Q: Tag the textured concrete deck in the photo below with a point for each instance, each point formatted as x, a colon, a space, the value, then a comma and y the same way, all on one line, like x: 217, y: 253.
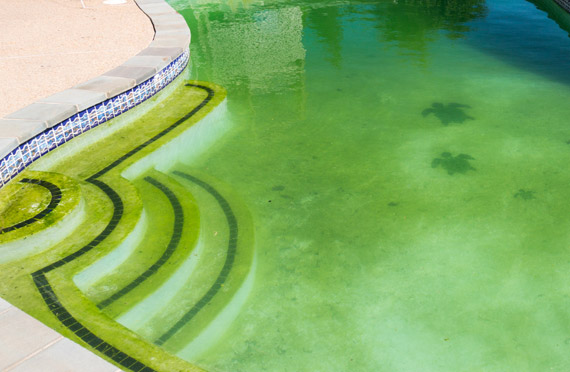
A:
x: 170, y: 41
x: 48, y: 46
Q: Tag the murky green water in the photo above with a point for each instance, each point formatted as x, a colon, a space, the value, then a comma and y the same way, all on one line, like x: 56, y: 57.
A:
x: 406, y: 166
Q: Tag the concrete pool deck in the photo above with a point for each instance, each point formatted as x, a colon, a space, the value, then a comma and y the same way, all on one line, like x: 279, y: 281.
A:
x: 30, y: 346
x: 32, y: 131
x: 46, y: 47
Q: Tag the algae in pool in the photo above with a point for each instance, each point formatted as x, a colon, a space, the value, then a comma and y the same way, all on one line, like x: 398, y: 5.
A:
x: 405, y: 164
x: 399, y: 169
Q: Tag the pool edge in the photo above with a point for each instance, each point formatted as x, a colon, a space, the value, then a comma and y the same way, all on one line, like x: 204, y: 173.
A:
x: 50, y: 122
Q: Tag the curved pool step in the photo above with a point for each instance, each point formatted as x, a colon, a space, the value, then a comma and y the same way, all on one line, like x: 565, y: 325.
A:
x: 42, y: 208
x: 188, y: 267
x: 226, y: 262
x: 189, y: 281
x: 172, y: 229
x: 43, y: 285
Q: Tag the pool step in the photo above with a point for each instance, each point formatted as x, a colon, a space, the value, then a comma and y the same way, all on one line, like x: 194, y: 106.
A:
x: 190, y: 281
x: 187, y: 268
x: 165, y: 271
x: 73, y: 231
x: 226, y: 262
x: 171, y: 220
x: 108, y: 237
x: 41, y: 208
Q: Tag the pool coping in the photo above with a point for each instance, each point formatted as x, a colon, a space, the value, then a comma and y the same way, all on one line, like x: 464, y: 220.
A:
x: 33, y: 131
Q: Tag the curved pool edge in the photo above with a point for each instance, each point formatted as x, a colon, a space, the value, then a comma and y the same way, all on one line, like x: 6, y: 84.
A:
x: 31, y: 132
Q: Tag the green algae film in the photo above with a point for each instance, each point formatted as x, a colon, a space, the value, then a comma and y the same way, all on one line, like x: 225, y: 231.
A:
x: 405, y: 164
x: 24, y: 200
x: 101, y: 232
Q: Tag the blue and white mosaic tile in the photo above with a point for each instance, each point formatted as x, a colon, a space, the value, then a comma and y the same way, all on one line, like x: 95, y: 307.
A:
x: 21, y: 157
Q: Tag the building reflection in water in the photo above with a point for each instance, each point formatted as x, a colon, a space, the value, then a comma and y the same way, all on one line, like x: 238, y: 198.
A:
x: 255, y: 48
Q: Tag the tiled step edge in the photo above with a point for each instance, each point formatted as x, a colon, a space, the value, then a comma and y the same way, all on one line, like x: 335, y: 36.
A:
x: 35, y: 130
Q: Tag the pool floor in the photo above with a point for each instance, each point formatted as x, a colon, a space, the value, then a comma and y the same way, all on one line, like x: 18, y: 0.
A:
x: 384, y: 189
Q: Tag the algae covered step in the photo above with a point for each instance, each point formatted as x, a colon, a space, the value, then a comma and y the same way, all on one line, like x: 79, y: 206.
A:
x: 172, y: 220
x: 222, y: 279
x: 41, y: 209
x: 193, y: 267
x: 118, y: 219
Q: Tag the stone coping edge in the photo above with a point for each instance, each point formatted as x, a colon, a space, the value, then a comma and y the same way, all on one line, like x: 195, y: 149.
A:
x: 33, y: 131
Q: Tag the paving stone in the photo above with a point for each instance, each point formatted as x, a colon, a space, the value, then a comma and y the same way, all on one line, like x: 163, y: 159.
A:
x: 170, y: 26
x: 139, y: 74
x: 166, y: 42
x: 156, y: 9
x: 140, y: 2
x: 110, y: 85
x: 26, y: 344
x: 172, y: 53
x: 172, y: 32
x: 7, y: 145
x: 171, y: 22
x: 156, y: 62
x: 4, y: 305
x: 82, y: 99
x: 22, y: 130
x: 50, y: 113
x: 65, y: 356
x: 168, y: 18
x: 22, y: 335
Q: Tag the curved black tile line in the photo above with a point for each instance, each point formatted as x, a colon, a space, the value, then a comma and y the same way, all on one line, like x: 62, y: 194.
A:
x: 48, y: 294
x: 172, y: 245
x: 230, y: 256
x: 161, y: 134
x: 54, y: 201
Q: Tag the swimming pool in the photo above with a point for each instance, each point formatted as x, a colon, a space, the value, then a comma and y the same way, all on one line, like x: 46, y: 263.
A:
x: 384, y: 189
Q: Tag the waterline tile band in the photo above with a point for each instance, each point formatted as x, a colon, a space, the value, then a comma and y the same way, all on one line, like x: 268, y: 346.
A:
x: 117, y: 91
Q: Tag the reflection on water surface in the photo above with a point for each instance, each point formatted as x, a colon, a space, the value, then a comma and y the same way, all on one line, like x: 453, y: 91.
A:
x: 405, y: 163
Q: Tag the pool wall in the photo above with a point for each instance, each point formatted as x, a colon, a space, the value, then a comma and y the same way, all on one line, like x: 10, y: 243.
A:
x: 29, y: 133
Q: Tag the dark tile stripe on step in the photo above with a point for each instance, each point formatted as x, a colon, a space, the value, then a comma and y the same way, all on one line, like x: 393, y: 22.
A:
x: 210, y: 92
x: 172, y: 245
x: 47, y: 292
x: 55, y: 306
x: 54, y: 201
x: 230, y: 256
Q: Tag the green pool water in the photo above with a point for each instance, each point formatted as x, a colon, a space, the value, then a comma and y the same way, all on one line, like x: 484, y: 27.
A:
x: 385, y: 187
x: 406, y: 167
